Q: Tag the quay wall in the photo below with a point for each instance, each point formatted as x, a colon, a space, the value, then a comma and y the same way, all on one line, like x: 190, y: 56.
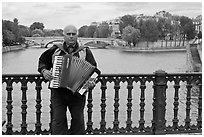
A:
x: 13, y: 48
x: 194, y: 65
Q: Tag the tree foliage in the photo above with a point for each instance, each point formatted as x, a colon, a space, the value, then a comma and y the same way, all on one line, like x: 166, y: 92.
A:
x: 15, y: 29
x: 37, y: 25
x: 91, y: 30
x: 24, y: 31
x: 8, y: 37
x: 103, y: 30
x: 82, y: 31
x: 146, y: 29
x: 127, y: 20
x: 126, y: 35
x: 37, y: 32
x: 11, y: 32
x: 187, y: 27
x: 160, y: 26
x: 135, y: 36
x: 131, y: 35
x: 7, y: 25
x: 149, y: 30
x: 56, y: 32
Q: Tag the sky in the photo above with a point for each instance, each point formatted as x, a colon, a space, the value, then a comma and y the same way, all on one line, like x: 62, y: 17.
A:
x: 58, y: 14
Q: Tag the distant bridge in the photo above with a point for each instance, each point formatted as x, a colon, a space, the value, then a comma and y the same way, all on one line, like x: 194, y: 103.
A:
x: 94, y: 42
x: 44, y: 42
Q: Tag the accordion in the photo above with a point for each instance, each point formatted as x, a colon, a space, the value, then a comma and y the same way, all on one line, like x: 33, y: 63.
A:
x: 72, y: 73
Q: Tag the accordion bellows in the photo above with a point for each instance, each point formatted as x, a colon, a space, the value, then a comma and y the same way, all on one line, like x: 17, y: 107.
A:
x: 70, y: 72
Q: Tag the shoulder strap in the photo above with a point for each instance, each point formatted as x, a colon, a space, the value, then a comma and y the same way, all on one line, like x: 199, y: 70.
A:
x: 61, y: 48
x: 79, y: 49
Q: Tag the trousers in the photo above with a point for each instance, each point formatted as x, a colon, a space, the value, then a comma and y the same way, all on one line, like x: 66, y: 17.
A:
x: 62, y: 99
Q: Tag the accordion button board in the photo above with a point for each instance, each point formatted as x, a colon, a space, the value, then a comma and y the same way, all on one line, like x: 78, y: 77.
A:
x: 55, y: 82
x: 71, y: 72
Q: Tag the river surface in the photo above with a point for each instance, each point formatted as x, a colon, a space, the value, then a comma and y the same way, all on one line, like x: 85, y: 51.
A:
x: 110, y: 61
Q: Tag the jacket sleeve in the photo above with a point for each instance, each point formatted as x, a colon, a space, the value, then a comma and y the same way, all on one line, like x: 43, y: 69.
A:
x: 90, y: 58
x: 45, y: 60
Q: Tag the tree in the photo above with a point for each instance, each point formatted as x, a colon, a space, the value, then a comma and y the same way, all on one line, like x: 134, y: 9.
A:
x: 24, y: 31
x: 7, y: 25
x: 160, y: 26
x: 8, y: 37
x: 131, y: 35
x: 167, y: 30
x: 176, y: 28
x: 103, y: 30
x: 126, y: 35
x: 149, y: 31
x: 189, y: 30
x: 91, y: 30
x: 125, y: 21
x: 57, y: 32
x: 187, y: 27
x: 37, y: 32
x: 15, y: 29
x: 96, y: 34
x: 10, y: 31
x: 135, y: 36
x: 82, y: 31
x: 37, y: 25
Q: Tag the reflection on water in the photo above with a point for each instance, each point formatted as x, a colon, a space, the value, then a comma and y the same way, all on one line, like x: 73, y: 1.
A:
x: 109, y: 61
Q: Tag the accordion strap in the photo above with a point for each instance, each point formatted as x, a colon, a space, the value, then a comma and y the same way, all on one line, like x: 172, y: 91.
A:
x: 78, y: 50
x: 61, y: 48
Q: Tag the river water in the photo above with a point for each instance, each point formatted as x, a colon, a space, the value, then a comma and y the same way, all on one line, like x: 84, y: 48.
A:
x: 110, y: 61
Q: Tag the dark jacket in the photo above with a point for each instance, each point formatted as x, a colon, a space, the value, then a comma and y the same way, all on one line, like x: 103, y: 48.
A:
x: 45, y: 60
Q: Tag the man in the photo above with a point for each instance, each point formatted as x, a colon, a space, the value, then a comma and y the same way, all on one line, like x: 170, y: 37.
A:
x: 62, y: 98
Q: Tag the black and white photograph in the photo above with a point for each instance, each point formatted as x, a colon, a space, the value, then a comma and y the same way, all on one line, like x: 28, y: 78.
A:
x: 101, y: 67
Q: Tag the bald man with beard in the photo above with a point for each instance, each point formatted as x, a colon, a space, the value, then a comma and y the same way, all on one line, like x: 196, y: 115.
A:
x: 62, y: 98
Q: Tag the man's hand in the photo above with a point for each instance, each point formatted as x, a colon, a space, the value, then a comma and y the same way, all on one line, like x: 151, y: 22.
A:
x: 47, y: 74
x: 91, y: 83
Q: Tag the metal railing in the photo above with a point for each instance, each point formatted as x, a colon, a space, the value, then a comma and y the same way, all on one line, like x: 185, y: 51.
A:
x: 159, y: 80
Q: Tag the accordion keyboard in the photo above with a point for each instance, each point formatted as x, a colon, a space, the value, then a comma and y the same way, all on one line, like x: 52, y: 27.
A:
x: 70, y: 72
x: 55, y: 82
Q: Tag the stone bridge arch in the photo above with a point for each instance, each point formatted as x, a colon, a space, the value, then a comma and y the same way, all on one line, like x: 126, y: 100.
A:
x: 93, y: 42
x: 96, y: 43
x: 52, y: 42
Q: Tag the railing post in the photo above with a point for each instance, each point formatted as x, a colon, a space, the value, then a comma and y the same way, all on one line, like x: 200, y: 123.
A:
x: 9, y: 107
x: 159, y: 104
x: 38, y: 106
x: 89, y: 111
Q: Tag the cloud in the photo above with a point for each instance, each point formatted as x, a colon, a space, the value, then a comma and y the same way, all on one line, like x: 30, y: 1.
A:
x: 40, y: 5
x: 55, y: 15
x: 72, y: 7
x: 127, y: 6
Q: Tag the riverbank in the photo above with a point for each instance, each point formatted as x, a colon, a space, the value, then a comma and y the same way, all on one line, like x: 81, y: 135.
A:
x: 148, y: 50
x: 13, y: 48
x: 152, y: 50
